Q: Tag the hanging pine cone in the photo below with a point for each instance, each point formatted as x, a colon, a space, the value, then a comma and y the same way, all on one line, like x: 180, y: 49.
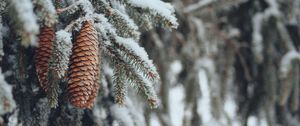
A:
x: 84, y: 68
x: 43, y: 55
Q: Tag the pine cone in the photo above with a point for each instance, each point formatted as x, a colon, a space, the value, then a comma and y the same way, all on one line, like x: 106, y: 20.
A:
x: 43, y: 55
x: 84, y: 68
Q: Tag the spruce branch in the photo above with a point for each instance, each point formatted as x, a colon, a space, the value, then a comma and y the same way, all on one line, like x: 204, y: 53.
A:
x: 142, y: 86
x: 53, y: 88
x: 288, y: 75
x: 129, y: 50
x: 25, y: 21
x: 7, y: 102
x: 141, y: 63
x: 61, y: 53
x: 124, y: 24
x: 120, y: 87
x: 163, y: 14
x: 46, y: 11
x: 3, y: 5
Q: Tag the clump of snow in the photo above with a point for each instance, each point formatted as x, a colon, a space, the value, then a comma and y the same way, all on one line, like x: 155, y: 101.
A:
x: 254, y: 121
x: 273, y: 9
x: 87, y: 7
x: 257, y: 45
x: 176, y: 103
x: 47, y: 11
x: 200, y: 4
x: 13, y: 119
x: 130, y: 115
x: 7, y: 103
x: 157, y: 7
x: 287, y: 61
x: 204, y: 107
x: 154, y: 121
x: 27, y: 21
x: 64, y: 36
x: 175, y: 69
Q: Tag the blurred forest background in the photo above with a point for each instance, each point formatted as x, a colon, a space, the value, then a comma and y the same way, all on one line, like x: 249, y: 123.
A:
x: 229, y: 63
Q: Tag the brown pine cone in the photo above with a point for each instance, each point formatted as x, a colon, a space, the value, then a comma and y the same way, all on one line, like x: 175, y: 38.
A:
x: 84, y: 68
x: 43, y: 54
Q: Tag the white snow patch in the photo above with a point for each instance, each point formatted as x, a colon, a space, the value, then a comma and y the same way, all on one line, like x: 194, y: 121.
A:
x: 175, y: 69
x: 204, y: 107
x: 257, y: 45
x: 122, y: 114
x: 254, y: 121
x: 200, y: 4
x: 157, y: 7
x: 176, y: 101
x: 65, y: 36
x: 26, y: 16
x: 7, y: 103
x: 287, y: 60
x: 154, y: 120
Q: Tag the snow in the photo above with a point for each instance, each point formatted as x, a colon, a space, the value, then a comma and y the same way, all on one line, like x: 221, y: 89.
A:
x: 257, y: 22
x: 272, y: 10
x: 13, y: 119
x: 139, y: 51
x: 200, y: 4
x: 128, y: 20
x: 204, y: 107
x: 25, y: 15
x: 157, y: 7
x: 254, y: 121
x: 62, y: 51
x: 154, y: 121
x: 257, y: 45
x: 104, y: 26
x: 176, y: 103
x: 175, y: 69
x: 7, y: 103
x: 200, y: 28
x: 87, y: 7
x: 65, y: 36
x: 48, y: 11
x: 122, y: 114
x: 287, y: 60
x: 126, y: 26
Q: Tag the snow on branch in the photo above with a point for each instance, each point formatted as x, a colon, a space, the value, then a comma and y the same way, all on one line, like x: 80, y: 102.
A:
x: 137, y: 56
x: 289, y: 71
x: 58, y: 65
x: 46, y: 11
x: 143, y: 86
x: 7, y: 103
x: 198, y: 5
x: 128, y: 49
x: 257, y: 44
x: 120, y: 88
x: 158, y: 9
x: 288, y: 61
x: 25, y: 21
x: 120, y: 19
x: 61, y: 52
x: 85, y: 5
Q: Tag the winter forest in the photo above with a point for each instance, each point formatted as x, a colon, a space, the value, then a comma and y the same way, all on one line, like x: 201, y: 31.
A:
x: 149, y: 62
